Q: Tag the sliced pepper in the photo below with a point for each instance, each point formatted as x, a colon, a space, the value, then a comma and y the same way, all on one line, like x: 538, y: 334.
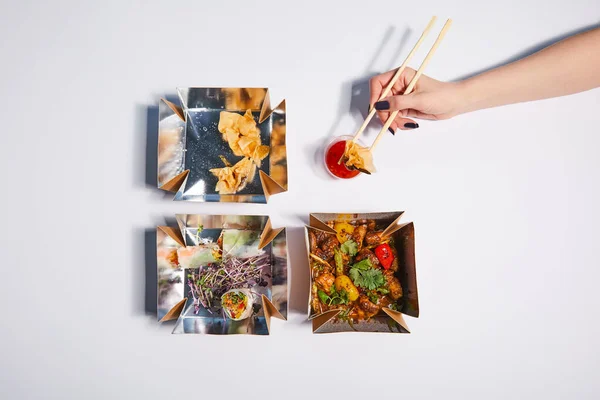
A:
x: 344, y: 230
x: 385, y: 255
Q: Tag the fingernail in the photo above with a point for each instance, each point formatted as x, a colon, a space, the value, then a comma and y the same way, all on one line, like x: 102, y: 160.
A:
x: 382, y: 105
x: 411, y: 125
x: 392, y: 131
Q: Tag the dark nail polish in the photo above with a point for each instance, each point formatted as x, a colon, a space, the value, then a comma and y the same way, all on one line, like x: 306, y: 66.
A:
x: 411, y: 125
x: 382, y: 105
x: 392, y: 131
x: 369, y: 109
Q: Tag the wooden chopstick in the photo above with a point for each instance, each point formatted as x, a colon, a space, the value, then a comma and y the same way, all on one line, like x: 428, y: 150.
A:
x: 413, y: 82
x: 395, y: 78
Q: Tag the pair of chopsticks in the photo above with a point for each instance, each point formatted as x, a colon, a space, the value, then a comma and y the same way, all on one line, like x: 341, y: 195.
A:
x: 397, y: 75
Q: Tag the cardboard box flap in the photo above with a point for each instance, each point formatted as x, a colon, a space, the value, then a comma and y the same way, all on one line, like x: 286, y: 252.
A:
x: 270, y: 311
x: 174, y: 312
x: 393, y: 226
x: 322, y: 319
x: 398, y: 317
x: 315, y: 222
x: 174, y: 234
x: 270, y: 187
x: 268, y: 234
x: 176, y: 182
x: 266, y: 110
x: 175, y: 108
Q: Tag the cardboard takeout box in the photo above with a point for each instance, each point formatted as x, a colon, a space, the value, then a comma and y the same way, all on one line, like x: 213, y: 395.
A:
x: 387, y: 320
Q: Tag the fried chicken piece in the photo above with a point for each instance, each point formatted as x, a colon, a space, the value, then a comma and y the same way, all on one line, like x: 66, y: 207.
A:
x: 312, y: 239
x: 370, y: 223
x: 367, y: 306
x: 329, y: 245
x: 393, y: 285
x: 368, y: 254
x: 359, y: 234
x: 321, y: 236
x: 373, y: 238
x: 325, y: 281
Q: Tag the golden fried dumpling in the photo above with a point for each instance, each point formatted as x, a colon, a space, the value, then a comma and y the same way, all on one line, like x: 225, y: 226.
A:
x: 233, y: 179
x: 242, y: 135
x: 358, y: 157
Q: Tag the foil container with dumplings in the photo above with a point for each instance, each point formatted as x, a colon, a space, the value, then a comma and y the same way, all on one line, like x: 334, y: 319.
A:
x: 190, y: 144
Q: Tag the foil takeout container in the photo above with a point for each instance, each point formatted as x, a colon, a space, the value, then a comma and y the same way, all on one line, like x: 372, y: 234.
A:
x: 189, y: 144
x: 242, y: 236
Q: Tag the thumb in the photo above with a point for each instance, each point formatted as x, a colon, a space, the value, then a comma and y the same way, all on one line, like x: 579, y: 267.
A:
x: 402, y: 102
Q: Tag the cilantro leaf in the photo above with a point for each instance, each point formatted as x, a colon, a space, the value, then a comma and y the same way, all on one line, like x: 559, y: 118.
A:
x: 363, y: 264
x: 349, y: 247
x: 366, y: 277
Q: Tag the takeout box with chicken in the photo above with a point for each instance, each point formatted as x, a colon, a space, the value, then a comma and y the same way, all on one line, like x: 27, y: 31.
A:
x: 362, y: 269
x: 223, y: 145
x: 222, y: 274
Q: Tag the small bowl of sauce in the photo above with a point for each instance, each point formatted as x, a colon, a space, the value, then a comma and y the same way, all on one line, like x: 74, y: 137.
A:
x: 333, y: 152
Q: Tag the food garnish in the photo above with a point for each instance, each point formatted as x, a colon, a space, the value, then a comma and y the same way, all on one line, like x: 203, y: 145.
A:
x: 349, y: 247
x: 213, y: 280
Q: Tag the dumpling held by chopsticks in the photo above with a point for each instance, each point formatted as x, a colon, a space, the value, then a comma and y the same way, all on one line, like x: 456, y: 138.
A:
x: 358, y: 157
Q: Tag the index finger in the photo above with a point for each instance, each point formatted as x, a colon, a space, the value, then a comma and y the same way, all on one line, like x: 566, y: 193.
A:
x: 378, y: 84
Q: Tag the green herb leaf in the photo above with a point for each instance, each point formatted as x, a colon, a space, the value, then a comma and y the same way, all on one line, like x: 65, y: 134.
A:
x: 323, y: 297
x: 363, y: 265
x: 349, y: 247
x: 382, y: 290
x: 373, y: 297
x: 367, y: 278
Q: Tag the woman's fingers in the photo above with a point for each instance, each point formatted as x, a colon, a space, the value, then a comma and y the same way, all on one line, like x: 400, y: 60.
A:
x: 404, y: 102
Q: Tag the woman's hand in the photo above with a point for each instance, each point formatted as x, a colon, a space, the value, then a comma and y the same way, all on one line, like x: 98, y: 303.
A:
x: 430, y: 99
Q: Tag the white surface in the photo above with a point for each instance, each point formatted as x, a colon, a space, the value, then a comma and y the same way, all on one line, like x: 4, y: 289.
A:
x: 505, y: 203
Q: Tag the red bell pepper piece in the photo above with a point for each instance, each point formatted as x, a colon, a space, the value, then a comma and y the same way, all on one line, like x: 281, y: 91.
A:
x: 385, y: 256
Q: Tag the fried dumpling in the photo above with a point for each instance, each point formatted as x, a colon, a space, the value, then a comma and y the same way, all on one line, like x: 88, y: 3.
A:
x: 358, y: 157
x: 242, y: 135
x: 235, y: 178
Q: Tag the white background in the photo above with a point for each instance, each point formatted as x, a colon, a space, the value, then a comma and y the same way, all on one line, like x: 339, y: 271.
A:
x: 505, y: 202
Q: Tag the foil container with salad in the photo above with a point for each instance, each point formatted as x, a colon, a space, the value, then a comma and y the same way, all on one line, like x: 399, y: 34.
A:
x: 222, y: 274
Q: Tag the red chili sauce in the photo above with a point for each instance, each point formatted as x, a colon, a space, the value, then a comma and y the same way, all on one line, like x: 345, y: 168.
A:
x: 335, y: 152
